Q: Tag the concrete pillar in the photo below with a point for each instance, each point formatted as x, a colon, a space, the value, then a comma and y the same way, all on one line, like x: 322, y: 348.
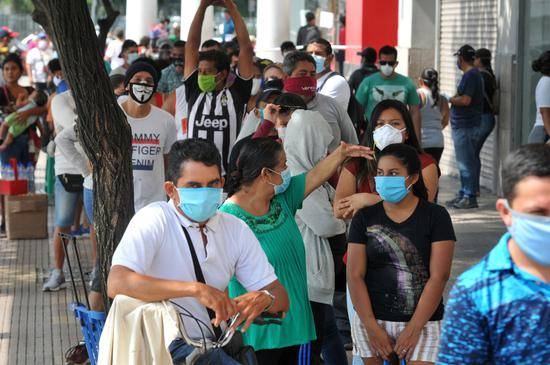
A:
x: 272, y: 27
x: 188, y: 10
x: 416, y: 36
x: 140, y: 17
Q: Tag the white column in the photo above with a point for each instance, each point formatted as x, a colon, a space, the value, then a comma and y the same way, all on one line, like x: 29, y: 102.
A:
x: 188, y: 10
x: 140, y: 17
x: 272, y: 27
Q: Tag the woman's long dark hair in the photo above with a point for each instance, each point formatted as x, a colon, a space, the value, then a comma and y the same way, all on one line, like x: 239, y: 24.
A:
x: 408, y: 157
x: 367, y: 168
x: 430, y: 77
x: 255, y: 155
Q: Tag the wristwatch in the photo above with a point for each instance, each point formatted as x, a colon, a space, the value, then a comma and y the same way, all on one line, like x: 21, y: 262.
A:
x: 266, y: 292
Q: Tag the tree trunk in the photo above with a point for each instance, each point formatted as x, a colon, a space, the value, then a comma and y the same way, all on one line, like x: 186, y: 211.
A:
x: 105, y: 24
x: 103, y: 129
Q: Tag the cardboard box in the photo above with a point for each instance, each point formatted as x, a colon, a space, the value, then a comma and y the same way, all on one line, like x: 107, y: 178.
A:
x: 27, y: 216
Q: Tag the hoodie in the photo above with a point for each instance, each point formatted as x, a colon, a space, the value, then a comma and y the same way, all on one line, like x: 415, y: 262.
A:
x: 307, y: 140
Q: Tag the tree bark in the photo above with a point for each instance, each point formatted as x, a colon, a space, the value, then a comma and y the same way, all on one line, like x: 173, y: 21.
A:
x: 103, y: 129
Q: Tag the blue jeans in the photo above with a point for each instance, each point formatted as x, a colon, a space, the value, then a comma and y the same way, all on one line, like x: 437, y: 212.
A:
x: 467, y: 158
x: 538, y: 135
x: 180, y: 350
x: 88, y: 200
x: 65, y: 205
x: 18, y: 149
x: 485, y: 128
x: 333, y: 346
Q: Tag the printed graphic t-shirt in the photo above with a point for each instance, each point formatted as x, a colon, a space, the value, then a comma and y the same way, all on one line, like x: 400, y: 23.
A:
x: 152, y: 138
x: 398, y: 256
x: 375, y: 88
x: 216, y: 116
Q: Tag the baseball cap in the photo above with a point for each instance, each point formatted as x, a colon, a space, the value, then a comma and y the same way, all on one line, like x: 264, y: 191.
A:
x: 127, y: 44
x: 466, y: 51
x: 369, y: 51
x: 264, y: 96
x: 7, y: 32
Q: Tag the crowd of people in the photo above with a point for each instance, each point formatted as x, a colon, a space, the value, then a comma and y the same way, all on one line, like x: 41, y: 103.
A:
x: 295, y: 191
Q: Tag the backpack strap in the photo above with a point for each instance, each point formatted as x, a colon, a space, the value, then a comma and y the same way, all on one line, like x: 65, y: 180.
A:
x: 320, y: 87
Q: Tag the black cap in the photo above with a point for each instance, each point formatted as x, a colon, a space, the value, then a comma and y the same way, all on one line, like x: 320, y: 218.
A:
x: 127, y: 44
x: 139, y: 66
x: 466, y: 51
x: 265, y: 95
x: 483, y: 53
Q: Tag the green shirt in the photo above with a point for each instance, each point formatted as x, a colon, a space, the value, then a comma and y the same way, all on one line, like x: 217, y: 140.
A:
x: 282, y: 243
x: 375, y: 88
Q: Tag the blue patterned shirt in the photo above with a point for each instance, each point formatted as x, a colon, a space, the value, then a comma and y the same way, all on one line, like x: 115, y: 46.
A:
x: 170, y: 80
x: 497, y: 314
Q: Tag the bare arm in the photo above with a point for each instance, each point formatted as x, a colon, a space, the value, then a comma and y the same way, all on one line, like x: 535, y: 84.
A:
x: 431, y: 180
x: 545, y: 112
x: 124, y: 281
x: 444, y: 109
x: 246, y: 51
x: 347, y: 201
x: 417, y: 120
x: 194, y: 39
x: 462, y: 100
x: 170, y: 103
x: 440, y: 269
x: 328, y: 167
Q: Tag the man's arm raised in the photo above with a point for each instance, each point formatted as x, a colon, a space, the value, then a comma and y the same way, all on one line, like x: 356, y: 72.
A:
x: 246, y: 51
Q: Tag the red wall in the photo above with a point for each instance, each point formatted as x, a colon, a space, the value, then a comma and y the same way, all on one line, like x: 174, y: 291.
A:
x: 370, y: 23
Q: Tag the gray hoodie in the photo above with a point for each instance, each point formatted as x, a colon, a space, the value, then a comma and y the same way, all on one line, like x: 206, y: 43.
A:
x: 306, y: 142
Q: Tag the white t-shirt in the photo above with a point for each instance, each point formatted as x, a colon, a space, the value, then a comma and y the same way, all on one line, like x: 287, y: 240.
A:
x: 542, y: 97
x: 38, y: 60
x: 181, y: 112
x: 336, y: 87
x: 113, y: 52
x: 118, y: 71
x: 152, y: 138
x: 154, y: 245
x: 64, y: 115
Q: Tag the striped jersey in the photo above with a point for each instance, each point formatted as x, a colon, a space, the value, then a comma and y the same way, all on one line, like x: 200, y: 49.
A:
x: 216, y: 116
x: 497, y: 314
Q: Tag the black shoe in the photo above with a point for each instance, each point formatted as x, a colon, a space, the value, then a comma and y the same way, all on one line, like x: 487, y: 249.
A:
x: 466, y: 203
x: 452, y: 202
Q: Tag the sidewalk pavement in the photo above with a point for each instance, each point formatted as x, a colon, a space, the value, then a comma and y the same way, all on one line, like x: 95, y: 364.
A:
x: 37, y: 328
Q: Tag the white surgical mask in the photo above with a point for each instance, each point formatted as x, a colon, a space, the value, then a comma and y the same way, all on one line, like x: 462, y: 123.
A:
x: 256, y: 84
x: 281, y: 131
x: 386, y: 70
x: 386, y: 135
x: 42, y: 45
x: 57, y: 80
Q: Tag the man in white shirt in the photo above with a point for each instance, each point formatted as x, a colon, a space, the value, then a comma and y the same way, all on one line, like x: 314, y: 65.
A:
x: 153, y: 133
x: 329, y: 82
x: 114, y: 48
x: 37, y: 62
x: 153, y: 261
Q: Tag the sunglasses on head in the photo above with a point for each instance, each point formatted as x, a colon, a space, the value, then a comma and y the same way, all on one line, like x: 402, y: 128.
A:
x: 391, y: 63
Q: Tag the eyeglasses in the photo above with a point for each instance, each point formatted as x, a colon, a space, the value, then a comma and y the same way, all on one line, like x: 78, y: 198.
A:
x: 384, y: 63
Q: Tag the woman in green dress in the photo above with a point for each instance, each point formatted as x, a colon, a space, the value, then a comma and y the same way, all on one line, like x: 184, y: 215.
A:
x: 264, y: 195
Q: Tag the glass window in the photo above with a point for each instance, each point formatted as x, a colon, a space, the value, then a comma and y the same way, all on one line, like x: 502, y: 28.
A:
x: 535, y: 41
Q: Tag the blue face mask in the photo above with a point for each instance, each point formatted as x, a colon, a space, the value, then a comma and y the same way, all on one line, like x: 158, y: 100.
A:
x: 199, y: 204
x: 261, y: 111
x: 391, y: 188
x: 286, y: 176
x: 319, y: 63
x: 532, y: 234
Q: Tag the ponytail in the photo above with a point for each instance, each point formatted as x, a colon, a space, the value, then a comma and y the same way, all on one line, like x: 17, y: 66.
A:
x: 430, y: 77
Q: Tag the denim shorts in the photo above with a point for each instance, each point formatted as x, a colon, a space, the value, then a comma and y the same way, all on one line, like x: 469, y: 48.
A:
x: 65, y: 205
x: 88, y: 198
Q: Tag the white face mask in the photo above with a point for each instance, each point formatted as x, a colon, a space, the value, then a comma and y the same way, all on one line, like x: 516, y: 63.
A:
x: 386, y: 70
x: 386, y: 135
x: 141, y: 92
x: 256, y: 84
x: 42, y: 45
x: 57, y: 80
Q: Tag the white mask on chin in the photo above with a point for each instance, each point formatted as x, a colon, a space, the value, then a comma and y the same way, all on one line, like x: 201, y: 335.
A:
x: 386, y: 135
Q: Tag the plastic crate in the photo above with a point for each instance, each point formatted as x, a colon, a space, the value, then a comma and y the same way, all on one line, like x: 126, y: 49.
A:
x: 91, y: 324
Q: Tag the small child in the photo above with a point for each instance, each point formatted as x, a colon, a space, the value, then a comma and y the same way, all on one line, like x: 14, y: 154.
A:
x: 15, y: 128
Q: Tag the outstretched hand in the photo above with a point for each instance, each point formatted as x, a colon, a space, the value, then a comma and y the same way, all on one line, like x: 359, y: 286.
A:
x: 351, y: 150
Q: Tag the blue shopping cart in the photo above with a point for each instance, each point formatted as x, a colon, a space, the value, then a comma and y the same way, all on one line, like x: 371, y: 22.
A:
x: 91, y: 322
